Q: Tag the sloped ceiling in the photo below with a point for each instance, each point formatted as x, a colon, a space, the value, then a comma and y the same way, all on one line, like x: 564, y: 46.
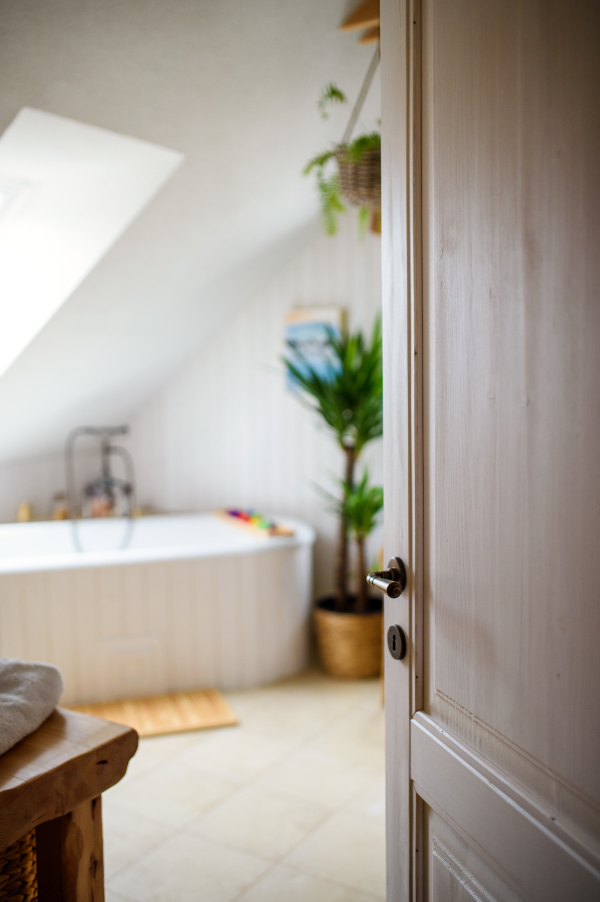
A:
x: 232, y: 85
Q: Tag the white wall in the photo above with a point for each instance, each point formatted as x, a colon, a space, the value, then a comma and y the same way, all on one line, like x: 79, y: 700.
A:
x: 37, y: 479
x: 226, y: 432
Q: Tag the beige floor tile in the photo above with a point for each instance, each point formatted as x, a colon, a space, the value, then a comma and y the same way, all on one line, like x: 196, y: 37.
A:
x: 328, y: 780
x: 359, y: 736
x: 349, y: 848
x: 300, y: 709
x: 127, y: 836
x: 262, y: 823
x: 110, y: 896
x: 174, y: 793
x: 297, y: 719
x: 187, y: 868
x: 370, y: 799
x: 284, y: 884
x: 155, y: 750
x: 204, y: 815
x: 238, y: 753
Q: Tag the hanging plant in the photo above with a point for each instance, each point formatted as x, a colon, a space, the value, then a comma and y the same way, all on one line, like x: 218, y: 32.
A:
x: 350, y: 170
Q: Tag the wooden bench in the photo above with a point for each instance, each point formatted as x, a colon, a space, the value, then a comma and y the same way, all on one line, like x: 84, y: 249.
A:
x: 51, y: 781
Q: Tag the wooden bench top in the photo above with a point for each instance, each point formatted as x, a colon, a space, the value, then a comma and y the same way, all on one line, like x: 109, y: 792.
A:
x: 71, y: 758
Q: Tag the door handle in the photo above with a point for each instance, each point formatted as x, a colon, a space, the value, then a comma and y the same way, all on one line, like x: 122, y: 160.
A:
x: 392, y: 581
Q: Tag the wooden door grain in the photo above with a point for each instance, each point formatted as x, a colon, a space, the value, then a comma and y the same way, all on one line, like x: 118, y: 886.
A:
x: 491, y: 274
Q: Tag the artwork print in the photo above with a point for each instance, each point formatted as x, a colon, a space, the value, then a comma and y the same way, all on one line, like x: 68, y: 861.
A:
x: 307, y: 330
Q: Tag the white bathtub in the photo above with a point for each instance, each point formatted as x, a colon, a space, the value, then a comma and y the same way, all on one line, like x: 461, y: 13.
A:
x: 193, y: 601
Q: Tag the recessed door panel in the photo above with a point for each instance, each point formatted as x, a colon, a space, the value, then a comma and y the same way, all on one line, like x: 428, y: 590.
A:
x: 454, y: 872
x: 512, y: 369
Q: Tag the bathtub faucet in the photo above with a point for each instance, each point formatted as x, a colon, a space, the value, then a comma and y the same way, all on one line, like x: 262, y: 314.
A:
x: 102, y: 492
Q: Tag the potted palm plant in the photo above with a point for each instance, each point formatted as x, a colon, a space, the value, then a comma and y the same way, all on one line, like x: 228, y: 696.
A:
x: 350, y: 642
x: 349, y: 398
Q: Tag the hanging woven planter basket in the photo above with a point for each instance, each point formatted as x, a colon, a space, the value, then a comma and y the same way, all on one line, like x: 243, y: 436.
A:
x: 358, y: 178
x: 360, y: 181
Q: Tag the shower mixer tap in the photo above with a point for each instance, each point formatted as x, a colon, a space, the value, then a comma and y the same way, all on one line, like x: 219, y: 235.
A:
x: 101, y: 494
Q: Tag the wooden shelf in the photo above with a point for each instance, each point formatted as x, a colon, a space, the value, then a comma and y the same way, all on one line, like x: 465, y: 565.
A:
x: 370, y: 36
x: 364, y: 16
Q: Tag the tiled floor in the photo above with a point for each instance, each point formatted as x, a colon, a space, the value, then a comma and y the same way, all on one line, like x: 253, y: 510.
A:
x: 286, y: 807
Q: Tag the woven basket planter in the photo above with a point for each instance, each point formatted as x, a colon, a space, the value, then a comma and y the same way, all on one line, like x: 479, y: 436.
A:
x: 361, y: 182
x: 18, y: 871
x: 350, y: 645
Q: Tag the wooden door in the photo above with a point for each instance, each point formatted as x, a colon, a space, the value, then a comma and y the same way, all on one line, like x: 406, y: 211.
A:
x: 491, y: 260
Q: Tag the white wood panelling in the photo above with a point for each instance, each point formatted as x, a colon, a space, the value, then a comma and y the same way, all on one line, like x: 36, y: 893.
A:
x: 226, y: 432
x: 137, y: 629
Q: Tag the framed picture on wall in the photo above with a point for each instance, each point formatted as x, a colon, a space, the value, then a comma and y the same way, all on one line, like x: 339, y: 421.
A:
x: 307, y: 331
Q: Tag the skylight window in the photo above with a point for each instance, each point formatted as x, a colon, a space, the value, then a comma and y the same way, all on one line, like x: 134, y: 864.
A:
x: 67, y: 192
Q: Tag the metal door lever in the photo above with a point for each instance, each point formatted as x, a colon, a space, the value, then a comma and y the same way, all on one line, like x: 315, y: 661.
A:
x: 392, y: 581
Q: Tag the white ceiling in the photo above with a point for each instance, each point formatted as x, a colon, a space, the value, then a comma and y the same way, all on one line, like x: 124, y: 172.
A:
x: 232, y: 86
x: 75, y: 189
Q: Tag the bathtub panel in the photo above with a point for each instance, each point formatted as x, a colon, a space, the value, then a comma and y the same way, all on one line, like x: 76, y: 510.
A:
x: 155, y: 613
x: 247, y: 605
x: 66, y: 605
x: 12, y: 628
x: 210, y: 634
x: 176, y: 642
x: 71, y: 601
x: 276, y: 604
x: 188, y: 645
x: 230, y: 601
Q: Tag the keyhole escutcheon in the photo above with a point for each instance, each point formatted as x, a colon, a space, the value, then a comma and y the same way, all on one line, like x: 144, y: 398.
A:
x: 396, y: 641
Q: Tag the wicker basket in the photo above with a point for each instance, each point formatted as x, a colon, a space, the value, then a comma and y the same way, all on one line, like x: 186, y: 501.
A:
x: 361, y: 182
x: 18, y: 871
x: 349, y: 644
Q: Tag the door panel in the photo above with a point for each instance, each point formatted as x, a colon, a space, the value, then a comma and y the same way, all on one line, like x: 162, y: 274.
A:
x: 512, y: 369
x: 491, y: 237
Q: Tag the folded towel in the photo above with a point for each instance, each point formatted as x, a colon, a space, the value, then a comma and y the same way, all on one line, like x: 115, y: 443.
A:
x: 29, y: 692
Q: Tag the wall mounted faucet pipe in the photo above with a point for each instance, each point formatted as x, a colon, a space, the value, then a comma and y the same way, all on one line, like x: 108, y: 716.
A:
x: 106, y: 483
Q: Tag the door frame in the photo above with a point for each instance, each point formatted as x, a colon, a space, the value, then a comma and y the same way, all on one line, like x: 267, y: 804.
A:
x: 402, y: 270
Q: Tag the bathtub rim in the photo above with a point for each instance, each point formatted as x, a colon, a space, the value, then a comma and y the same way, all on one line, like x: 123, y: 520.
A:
x: 304, y: 535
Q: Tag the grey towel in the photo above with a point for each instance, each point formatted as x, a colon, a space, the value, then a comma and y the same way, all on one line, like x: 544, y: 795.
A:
x: 29, y: 692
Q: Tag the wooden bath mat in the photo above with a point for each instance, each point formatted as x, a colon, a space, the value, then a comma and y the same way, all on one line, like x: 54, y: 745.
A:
x: 174, y: 712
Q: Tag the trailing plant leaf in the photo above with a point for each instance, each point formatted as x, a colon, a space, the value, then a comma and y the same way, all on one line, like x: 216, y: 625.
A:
x: 331, y: 201
x: 328, y: 187
x: 319, y: 161
x: 363, y: 220
x: 330, y: 95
